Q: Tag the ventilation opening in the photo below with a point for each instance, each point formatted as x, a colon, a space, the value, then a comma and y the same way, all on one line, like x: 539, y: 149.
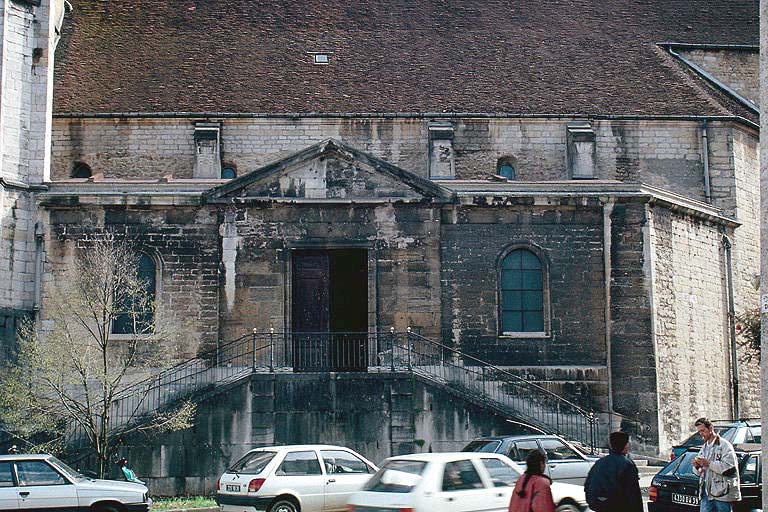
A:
x: 321, y: 57
x: 81, y: 170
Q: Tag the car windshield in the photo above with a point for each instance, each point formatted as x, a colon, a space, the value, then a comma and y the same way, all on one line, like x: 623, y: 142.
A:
x: 685, y: 467
x: 482, y: 445
x: 397, y: 476
x: 252, y: 463
x: 724, y: 430
x: 75, y: 475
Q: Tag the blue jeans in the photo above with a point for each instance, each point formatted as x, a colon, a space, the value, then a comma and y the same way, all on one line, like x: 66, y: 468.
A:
x: 708, y: 505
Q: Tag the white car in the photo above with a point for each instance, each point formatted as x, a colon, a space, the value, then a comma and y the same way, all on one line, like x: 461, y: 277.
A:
x: 451, y: 482
x: 297, y: 478
x: 43, y: 482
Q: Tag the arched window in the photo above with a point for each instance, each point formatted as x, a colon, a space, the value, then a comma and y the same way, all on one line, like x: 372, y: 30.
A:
x: 521, y: 293
x: 81, y: 170
x: 506, y: 167
x: 142, y: 314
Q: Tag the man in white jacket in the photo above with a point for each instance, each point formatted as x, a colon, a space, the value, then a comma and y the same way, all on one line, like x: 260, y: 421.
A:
x: 718, y: 468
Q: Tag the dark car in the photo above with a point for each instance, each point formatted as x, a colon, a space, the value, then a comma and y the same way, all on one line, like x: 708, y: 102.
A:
x: 565, y: 463
x: 676, y: 487
x: 733, y: 431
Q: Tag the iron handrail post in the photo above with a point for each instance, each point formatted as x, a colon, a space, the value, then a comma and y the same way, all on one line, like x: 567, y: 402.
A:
x: 482, y: 378
x: 271, y: 349
x: 408, y: 346
x: 392, y: 349
x: 253, y: 349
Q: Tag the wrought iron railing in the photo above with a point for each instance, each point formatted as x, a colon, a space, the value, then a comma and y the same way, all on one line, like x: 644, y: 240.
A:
x: 441, y: 365
x: 507, y: 393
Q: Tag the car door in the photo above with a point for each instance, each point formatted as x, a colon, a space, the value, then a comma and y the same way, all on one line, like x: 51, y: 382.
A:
x: 300, y: 473
x: 42, y: 487
x: 462, y: 489
x: 502, y: 478
x: 751, y: 478
x: 564, y: 463
x: 9, y: 492
x: 519, y: 450
x: 345, y: 473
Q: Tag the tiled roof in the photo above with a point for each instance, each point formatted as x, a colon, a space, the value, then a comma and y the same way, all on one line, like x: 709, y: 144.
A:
x: 589, y: 57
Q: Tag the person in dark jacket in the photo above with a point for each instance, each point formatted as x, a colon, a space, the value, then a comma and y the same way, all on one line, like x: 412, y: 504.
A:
x: 613, y: 484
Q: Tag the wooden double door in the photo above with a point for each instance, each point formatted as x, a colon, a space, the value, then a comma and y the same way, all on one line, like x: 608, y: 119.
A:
x: 330, y: 310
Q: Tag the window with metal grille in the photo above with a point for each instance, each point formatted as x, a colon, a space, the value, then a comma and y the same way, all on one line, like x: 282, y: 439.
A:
x: 522, y: 293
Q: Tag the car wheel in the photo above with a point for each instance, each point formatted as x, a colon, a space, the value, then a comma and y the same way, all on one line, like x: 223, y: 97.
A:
x: 567, y: 507
x: 107, y: 508
x: 284, y: 506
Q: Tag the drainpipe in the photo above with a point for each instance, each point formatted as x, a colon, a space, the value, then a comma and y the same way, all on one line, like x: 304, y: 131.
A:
x: 705, y: 154
x: 607, y: 227
x: 727, y: 249
x: 39, y: 235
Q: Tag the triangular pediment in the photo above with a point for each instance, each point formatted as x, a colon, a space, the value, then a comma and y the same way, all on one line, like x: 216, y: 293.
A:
x: 329, y: 171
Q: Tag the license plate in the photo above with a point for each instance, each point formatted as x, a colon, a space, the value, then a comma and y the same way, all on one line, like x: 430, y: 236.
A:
x: 233, y: 488
x: 685, y: 499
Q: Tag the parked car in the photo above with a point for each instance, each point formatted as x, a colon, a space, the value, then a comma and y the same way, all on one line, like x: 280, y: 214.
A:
x: 565, y: 462
x: 43, y: 482
x: 675, y: 488
x: 451, y: 482
x: 734, y: 431
x: 306, y: 478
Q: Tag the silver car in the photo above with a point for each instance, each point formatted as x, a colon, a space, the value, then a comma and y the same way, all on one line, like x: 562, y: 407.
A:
x: 565, y: 463
x: 43, y: 482
x: 306, y: 478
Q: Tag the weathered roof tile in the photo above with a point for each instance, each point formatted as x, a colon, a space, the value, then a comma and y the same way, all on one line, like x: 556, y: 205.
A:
x: 547, y: 57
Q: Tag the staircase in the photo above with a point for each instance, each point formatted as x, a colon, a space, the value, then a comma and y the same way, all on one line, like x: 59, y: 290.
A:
x: 430, y: 361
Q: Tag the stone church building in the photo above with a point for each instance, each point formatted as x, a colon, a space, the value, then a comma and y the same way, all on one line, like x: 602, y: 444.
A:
x: 567, y: 191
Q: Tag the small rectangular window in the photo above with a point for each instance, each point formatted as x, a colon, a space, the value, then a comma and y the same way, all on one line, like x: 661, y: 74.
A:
x: 6, y: 476
x: 461, y: 475
x: 299, y: 464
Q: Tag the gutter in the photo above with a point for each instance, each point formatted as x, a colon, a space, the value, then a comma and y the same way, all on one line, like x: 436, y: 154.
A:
x: 705, y: 46
x: 709, y: 77
x: 705, y: 155
x: 20, y: 185
x: 398, y: 115
x: 607, y: 230
x: 727, y: 249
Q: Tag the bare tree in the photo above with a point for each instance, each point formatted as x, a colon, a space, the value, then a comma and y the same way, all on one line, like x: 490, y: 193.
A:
x: 73, y: 377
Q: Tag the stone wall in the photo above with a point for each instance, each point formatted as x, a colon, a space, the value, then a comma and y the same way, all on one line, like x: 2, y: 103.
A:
x: 570, y: 238
x: 738, y: 69
x: 183, y: 240
x: 661, y: 153
x: 376, y: 414
x: 403, y: 250
x: 18, y: 249
x: 746, y: 257
x: 25, y: 75
x: 690, y: 322
x: 632, y: 366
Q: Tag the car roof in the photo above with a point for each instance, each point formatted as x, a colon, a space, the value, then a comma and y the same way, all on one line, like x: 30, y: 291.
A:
x: 289, y: 447
x: 446, y: 457
x: 518, y: 437
x: 25, y: 456
x: 743, y: 447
